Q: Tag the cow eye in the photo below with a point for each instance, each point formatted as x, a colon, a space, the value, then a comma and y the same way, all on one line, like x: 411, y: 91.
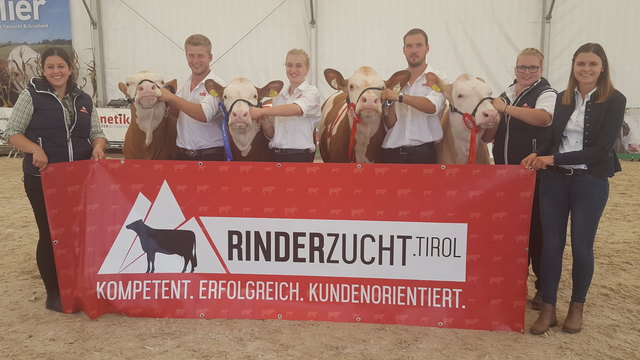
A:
x: 460, y: 96
x: 350, y: 87
x: 255, y: 96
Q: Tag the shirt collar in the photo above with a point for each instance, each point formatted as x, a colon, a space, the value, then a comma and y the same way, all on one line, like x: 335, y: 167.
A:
x: 296, y: 91
x: 586, y: 98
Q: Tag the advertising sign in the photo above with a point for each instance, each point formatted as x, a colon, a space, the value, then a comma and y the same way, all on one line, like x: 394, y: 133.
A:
x: 424, y: 245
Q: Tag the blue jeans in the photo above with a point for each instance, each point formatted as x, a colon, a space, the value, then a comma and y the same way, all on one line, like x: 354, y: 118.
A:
x: 584, y: 197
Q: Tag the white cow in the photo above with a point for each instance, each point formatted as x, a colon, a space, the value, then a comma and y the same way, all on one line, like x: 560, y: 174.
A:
x: 23, y: 65
x: 148, y: 135
x: 630, y: 140
x: 238, y: 96
x: 363, y: 89
x: 470, y: 111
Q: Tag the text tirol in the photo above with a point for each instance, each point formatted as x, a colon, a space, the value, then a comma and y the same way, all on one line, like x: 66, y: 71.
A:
x: 342, y: 248
x: 303, y: 247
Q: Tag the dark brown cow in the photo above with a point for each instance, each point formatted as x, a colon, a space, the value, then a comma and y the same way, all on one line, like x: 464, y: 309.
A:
x: 337, y: 121
x: 247, y: 141
x: 152, y: 131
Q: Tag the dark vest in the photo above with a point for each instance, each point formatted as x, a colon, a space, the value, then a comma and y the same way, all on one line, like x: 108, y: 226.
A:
x: 519, y: 138
x: 49, y: 130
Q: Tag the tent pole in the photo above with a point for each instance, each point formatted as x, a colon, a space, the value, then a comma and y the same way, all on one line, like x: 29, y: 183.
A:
x: 545, y: 35
x: 98, y: 53
x: 313, y: 46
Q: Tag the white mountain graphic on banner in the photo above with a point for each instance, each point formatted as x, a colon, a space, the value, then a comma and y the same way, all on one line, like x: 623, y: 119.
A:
x: 126, y: 255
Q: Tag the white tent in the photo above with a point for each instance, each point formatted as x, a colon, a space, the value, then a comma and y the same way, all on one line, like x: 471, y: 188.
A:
x: 251, y: 38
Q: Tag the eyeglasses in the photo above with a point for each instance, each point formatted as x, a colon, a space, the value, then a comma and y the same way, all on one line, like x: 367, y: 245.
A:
x: 524, y: 68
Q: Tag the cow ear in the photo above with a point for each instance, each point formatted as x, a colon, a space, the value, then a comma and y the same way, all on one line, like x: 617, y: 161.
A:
x: 172, y: 85
x: 481, y: 79
x: 123, y: 88
x: 272, y: 89
x: 446, y: 89
x: 398, y: 79
x: 213, y: 88
x: 335, y: 79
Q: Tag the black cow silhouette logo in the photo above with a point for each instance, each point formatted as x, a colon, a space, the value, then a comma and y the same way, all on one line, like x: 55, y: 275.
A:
x: 165, y: 241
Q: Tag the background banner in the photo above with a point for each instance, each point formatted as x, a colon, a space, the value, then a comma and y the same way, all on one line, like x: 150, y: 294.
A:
x: 425, y: 245
x: 28, y: 27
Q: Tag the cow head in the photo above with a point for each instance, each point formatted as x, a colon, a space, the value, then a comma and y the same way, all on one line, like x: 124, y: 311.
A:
x: 631, y: 132
x: 364, y: 88
x: 468, y: 94
x: 142, y: 89
x: 237, y: 97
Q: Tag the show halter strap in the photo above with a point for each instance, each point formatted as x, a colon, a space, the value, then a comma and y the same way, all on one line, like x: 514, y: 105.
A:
x: 470, y: 123
x: 225, y: 130
x: 356, y: 120
x: 352, y: 138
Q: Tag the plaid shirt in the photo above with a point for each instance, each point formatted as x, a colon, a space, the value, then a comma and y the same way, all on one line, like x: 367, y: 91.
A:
x: 23, y: 110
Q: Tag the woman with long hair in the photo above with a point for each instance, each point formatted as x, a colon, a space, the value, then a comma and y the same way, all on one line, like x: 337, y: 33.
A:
x: 52, y: 121
x: 587, y: 119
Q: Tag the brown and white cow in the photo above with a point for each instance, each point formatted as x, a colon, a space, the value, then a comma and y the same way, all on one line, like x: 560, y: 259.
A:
x: 152, y: 131
x: 471, y: 96
x: 336, y: 121
x: 247, y: 141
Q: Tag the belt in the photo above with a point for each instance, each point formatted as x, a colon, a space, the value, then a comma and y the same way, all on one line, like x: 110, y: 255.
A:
x: 414, y: 149
x: 568, y: 171
x: 290, y: 151
x: 199, y: 152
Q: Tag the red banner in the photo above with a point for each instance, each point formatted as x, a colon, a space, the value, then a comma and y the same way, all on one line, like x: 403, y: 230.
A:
x: 425, y: 245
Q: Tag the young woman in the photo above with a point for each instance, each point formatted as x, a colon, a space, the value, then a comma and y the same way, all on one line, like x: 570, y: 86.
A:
x: 52, y: 121
x: 587, y: 119
x: 527, y: 108
x: 296, y: 110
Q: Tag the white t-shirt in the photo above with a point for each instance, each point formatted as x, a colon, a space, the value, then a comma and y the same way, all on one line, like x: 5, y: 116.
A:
x: 194, y: 134
x: 414, y: 127
x: 297, y: 132
x: 546, y: 101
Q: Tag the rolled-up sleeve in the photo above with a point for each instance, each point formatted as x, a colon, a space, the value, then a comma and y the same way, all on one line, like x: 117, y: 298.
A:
x: 310, y: 102
x: 20, y: 115
x: 96, y: 128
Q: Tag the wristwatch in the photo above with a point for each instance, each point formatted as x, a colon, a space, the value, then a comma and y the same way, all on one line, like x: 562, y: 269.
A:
x: 400, y: 97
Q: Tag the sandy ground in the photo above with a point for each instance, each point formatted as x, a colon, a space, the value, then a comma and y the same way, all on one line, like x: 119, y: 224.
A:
x: 29, y: 331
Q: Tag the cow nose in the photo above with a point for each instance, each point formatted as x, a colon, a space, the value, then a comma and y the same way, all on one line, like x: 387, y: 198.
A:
x: 240, y: 114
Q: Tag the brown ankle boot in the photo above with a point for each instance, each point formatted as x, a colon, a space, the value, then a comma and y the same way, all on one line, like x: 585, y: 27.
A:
x: 573, y: 322
x: 546, y: 320
x: 536, y: 301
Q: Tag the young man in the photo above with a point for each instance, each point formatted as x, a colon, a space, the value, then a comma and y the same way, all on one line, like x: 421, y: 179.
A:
x: 413, y: 120
x: 200, y: 120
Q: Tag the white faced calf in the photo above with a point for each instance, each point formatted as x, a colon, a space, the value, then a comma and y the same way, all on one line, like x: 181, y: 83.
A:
x: 469, y: 115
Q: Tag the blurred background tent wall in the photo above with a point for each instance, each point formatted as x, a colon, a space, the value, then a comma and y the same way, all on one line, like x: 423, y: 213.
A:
x: 251, y: 38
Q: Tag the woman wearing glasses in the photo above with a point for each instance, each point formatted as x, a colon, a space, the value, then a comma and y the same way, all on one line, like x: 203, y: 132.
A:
x: 587, y: 120
x: 526, y: 109
x: 296, y: 111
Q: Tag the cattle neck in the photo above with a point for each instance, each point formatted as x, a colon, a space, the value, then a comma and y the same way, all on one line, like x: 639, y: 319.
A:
x: 470, y: 122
